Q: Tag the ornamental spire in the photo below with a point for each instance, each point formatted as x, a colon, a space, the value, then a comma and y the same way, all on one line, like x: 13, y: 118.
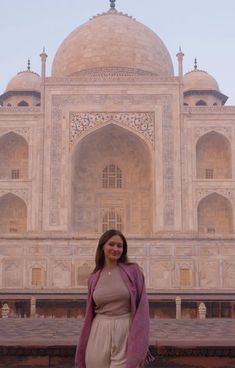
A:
x: 195, y: 64
x: 180, y: 56
x: 28, y: 67
x: 112, y: 4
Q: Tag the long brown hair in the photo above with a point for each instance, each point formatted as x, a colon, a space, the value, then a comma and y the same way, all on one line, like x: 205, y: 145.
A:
x: 99, y: 256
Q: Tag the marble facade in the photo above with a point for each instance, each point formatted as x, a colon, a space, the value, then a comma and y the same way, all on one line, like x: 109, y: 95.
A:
x: 175, y: 198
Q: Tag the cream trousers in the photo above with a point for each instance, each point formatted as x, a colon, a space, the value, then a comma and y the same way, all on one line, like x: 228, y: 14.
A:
x: 107, y: 344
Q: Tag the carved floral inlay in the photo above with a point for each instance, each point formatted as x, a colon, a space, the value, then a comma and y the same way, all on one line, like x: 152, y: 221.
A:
x: 141, y: 122
x: 26, y: 132
x: 202, y: 130
x: 22, y: 193
x: 56, y: 155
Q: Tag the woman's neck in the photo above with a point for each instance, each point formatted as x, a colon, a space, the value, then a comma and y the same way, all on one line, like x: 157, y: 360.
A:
x: 110, y: 265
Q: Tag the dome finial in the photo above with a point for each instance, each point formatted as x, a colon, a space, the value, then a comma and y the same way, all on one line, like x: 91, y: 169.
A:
x: 28, y: 67
x: 195, y: 64
x: 112, y: 4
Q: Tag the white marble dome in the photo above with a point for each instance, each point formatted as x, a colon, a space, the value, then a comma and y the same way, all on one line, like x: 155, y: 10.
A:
x: 112, y: 40
x: 199, y: 80
x: 24, y: 81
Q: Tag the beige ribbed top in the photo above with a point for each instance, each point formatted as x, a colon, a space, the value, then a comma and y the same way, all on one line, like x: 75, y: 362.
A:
x: 111, y: 295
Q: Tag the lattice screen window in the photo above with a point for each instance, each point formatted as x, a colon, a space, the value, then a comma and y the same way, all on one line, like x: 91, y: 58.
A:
x: 112, y: 220
x: 211, y: 230
x: 184, y: 277
x: 13, y: 230
x: 13, y: 227
x: 36, y: 276
x: 15, y: 174
x: 112, y: 177
x: 209, y: 174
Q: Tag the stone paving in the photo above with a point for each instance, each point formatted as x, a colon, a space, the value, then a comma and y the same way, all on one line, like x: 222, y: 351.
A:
x: 164, y: 332
x: 192, y: 333
x: 50, y: 343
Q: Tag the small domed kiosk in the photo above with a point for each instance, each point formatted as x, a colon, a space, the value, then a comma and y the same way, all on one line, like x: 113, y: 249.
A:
x: 201, y: 89
x: 22, y: 90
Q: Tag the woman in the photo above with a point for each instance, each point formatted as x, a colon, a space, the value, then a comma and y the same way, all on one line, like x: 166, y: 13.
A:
x: 116, y: 327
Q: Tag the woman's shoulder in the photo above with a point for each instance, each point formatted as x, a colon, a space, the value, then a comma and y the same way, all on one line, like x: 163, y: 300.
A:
x: 93, y: 276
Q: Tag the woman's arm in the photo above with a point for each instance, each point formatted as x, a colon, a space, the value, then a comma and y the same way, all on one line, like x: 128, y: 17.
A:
x: 138, y: 341
x: 85, y: 331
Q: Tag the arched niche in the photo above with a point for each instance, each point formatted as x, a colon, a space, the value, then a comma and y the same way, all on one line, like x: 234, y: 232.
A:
x: 23, y: 103
x: 61, y: 274
x: 37, y: 279
x: 13, y: 214
x: 83, y: 273
x: 213, y: 157
x: 14, y: 154
x: 91, y: 200
x: 201, y: 103
x: 215, y: 214
x: 12, y: 274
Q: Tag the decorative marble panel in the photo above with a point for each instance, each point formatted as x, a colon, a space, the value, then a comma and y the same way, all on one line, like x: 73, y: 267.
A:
x: 7, y: 250
x: 83, y: 271
x: 208, y: 250
x: 224, y: 130
x: 62, y: 251
x: 228, y: 250
x: 13, y: 273
x: 229, y: 274
x: 23, y: 193
x: 25, y: 132
x: 140, y: 122
x: 60, y: 102
x: 61, y: 274
x: 160, y: 274
x: 136, y: 251
x: 184, y: 251
x: 160, y: 251
x: 87, y: 251
x: 204, y: 192
x: 56, y: 156
x: 37, y: 250
x: 208, y: 274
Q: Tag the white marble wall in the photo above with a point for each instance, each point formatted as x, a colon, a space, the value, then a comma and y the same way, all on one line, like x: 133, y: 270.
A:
x: 172, y: 243
x: 211, y: 263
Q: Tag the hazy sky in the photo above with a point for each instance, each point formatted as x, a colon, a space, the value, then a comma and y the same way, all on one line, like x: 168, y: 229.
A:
x: 203, y: 28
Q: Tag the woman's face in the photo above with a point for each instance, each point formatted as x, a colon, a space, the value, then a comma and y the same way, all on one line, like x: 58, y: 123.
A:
x: 113, y: 249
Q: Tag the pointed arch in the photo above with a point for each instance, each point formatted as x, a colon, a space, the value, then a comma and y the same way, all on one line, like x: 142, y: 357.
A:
x: 215, y: 214
x: 13, y: 214
x: 213, y: 157
x: 14, y: 156
x: 23, y: 103
x: 133, y: 195
x: 79, y: 135
x: 201, y: 103
x: 83, y: 272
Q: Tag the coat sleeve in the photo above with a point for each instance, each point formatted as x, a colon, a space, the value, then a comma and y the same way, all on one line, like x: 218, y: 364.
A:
x: 85, y: 331
x: 138, y: 341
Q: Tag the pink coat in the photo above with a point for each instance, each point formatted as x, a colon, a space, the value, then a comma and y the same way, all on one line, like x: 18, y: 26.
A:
x: 138, y: 339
